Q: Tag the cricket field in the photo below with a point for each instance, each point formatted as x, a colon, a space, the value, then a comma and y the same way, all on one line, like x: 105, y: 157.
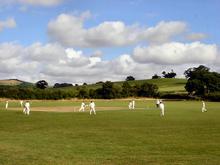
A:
x: 55, y: 133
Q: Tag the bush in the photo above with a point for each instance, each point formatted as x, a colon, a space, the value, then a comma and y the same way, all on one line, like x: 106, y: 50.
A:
x: 155, y: 76
x: 215, y: 96
x: 148, y: 90
x: 57, y: 85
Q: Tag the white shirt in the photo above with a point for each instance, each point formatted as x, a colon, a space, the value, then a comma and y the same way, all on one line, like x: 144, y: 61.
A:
x: 203, y: 104
x: 27, y: 105
x: 133, y: 103
x: 161, y: 106
x: 92, y: 105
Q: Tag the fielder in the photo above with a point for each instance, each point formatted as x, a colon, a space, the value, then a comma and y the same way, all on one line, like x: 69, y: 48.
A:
x: 203, y: 107
x: 161, y: 106
x: 133, y: 104
x: 92, y: 108
x: 26, y: 109
x: 6, y: 105
x: 82, y: 108
x: 21, y: 103
x: 130, y: 105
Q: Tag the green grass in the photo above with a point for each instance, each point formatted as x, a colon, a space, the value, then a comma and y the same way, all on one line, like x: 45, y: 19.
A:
x: 164, y: 84
x: 185, y: 136
x: 15, y: 82
x: 171, y: 85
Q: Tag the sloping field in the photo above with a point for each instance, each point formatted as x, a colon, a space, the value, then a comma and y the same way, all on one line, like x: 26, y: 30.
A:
x: 11, y: 82
x: 164, y: 84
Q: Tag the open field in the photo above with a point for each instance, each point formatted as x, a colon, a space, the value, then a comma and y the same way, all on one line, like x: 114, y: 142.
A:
x: 185, y: 136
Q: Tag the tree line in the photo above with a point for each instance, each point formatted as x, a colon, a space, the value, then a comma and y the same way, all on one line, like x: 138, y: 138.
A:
x: 108, y: 90
x: 201, y: 82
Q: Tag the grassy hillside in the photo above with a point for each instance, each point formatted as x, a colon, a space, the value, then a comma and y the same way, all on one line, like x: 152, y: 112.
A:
x: 11, y: 82
x: 14, y: 82
x: 165, y: 84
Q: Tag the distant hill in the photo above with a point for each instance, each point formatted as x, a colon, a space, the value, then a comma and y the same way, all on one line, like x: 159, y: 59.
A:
x: 171, y: 88
x: 167, y: 85
x: 172, y: 85
x: 14, y: 82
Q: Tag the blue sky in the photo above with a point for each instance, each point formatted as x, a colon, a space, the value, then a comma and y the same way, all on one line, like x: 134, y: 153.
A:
x: 151, y: 25
x: 202, y: 16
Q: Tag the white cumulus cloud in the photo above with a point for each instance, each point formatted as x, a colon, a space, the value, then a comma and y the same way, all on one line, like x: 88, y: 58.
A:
x: 164, y: 31
x: 56, y: 63
x: 176, y: 53
x: 69, y: 30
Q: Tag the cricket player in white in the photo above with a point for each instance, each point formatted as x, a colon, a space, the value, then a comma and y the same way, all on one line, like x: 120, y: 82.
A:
x: 26, y: 108
x: 21, y: 103
x: 133, y: 104
x: 161, y: 106
x: 6, y: 105
x: 130, y: 105
x: 203, y: 107
x: 92, y: 108
x: 83, y: 106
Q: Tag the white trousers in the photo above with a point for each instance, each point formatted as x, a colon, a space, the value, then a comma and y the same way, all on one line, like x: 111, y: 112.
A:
x: 82, y: 109
x: 162, y: 112
x: 204, y: 109
x: 26, y: 111
x: 92, y: 110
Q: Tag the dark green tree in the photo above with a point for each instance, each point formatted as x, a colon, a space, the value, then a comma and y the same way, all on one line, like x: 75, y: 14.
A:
x: 155, y: 76
x: 126, y: 89
x: 147, y: 90
x: 171, y: 74
x: 196, y: 73
x: 195, y: 87
x: 83, y: 93
x: 130, y: 78
x: 108, y: 90
x: 42, y: 84
x: 201, y: 81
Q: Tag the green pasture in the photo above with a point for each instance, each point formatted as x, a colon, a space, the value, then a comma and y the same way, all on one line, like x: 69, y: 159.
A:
x: 164, y: 84
x: 171, y: 85
x: 185, y: 136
